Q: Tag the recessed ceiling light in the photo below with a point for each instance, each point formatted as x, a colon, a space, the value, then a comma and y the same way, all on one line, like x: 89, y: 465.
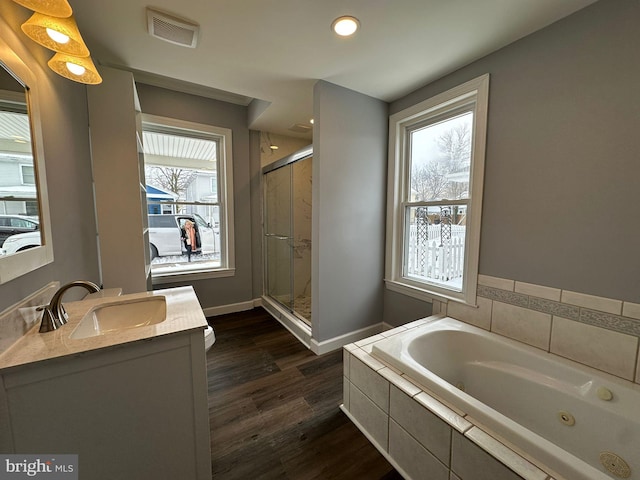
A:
x: 273, y: 147
x: 311, y: 121
x: 345, y: 26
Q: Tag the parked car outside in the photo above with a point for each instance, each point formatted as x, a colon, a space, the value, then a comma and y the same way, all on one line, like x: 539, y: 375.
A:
x: 14, y: 224
x: 165, y: 238
x: 21, y: 241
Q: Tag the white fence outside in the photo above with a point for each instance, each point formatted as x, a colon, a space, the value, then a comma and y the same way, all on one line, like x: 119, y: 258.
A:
x: 432, y: 258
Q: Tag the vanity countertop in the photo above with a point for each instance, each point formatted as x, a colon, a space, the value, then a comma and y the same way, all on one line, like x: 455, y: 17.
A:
x: 184, y: 313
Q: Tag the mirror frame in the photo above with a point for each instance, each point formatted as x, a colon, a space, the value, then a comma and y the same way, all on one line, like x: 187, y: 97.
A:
x: 18, y: 264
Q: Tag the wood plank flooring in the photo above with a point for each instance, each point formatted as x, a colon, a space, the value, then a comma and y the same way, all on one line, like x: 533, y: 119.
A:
x: 273, y: 408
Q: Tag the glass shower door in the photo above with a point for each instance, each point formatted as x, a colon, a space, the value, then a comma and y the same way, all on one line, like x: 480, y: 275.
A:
x: 287, y: 233
x: 277, y: 232
x: 301, y: 172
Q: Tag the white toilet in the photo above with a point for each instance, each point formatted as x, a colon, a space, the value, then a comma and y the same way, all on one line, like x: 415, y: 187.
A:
x: 209, y: 338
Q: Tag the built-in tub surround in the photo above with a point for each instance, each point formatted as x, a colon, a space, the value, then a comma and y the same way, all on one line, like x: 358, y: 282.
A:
x: 598, y: 332
x: 519, y: 409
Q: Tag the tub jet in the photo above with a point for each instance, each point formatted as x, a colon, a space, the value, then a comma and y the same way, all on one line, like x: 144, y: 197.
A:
x: 615, y: 464
x: 566, y: 418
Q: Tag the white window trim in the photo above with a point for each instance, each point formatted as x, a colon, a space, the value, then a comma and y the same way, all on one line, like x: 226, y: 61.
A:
x: 168, y: 278
x: 225, y: 198
x: 477, y: 88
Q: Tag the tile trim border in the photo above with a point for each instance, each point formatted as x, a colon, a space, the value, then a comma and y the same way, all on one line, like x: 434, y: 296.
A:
x: 589, y: 316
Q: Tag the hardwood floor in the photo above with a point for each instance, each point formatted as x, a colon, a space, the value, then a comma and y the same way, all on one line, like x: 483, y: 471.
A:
x: 273, y: 408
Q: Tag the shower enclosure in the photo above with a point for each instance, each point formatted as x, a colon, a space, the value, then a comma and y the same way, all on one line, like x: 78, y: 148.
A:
x: 287, y: 233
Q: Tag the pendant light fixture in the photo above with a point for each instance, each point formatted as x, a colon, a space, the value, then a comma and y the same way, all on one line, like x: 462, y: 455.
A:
x: 57, y: 34
x: 55, y: 8
x: 54, y: 27
x: 78, y: 69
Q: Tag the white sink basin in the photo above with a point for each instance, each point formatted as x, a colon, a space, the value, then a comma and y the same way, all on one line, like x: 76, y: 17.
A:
x: 114, y: 317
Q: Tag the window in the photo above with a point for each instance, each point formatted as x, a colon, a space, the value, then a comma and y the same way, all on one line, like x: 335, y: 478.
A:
x: 188, y: 178
x: 28, y: 174
x: 23, y: 223
x: 436, y: 167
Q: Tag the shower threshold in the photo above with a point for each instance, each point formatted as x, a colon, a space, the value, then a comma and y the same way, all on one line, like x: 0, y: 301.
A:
x: 299, y: 327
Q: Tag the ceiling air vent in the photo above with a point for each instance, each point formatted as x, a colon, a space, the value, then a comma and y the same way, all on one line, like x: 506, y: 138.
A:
x: 172, y: 29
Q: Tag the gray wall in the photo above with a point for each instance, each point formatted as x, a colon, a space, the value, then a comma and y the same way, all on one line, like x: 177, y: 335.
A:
x: 68, y: 165
x: 256, y: 215
x: 560, y: 184
x: 349, y: 185
x: 562, y: 166
x: 400, y: 309
x: 159, y: 101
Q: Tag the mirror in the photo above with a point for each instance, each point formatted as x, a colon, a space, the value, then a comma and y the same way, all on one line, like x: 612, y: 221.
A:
x: 25, y: 240
x: 19, y: 211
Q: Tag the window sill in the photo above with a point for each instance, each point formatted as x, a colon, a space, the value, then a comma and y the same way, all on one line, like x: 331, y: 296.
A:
x: 422, y: 293
x: 176, y: 277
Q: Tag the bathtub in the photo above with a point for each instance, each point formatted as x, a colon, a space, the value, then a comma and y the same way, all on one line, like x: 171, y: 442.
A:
x: 569, y: 419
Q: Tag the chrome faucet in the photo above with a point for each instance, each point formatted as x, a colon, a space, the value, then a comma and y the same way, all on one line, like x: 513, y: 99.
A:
x: 54, y: 315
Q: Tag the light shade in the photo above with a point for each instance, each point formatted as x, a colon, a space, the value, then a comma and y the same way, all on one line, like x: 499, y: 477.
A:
x: 36, y: 29
x: 78, y: 69
x: 55, y: 8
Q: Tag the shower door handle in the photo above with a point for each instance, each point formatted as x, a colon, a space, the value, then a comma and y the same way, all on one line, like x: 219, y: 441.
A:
x: 277, y: 237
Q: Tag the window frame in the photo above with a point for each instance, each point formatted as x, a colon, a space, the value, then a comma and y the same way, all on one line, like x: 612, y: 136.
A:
x: 475, y: 93
x: 225, y: 199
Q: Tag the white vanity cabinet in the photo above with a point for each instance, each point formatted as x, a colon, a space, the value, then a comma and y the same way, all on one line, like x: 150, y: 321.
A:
x: 130, y: 410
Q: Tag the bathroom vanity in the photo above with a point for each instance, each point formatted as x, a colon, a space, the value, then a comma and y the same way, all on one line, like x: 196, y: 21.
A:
x: 128, y: 397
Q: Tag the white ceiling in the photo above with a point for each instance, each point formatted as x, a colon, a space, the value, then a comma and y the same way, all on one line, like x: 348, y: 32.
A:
x: 275, y: 50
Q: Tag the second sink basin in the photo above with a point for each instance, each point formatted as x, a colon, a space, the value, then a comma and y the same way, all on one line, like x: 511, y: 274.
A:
x: 122, y: 315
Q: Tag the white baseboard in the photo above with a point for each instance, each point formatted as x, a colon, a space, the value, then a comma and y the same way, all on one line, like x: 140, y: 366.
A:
x: 335, y: 343
x: 297, y: 327
x: 231, y: 308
